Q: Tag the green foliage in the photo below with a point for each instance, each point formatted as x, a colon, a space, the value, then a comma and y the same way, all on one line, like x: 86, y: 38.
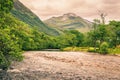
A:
x: 108, y: 33
x: 70, y: 38
x: 16, y: 36
x: 9, y: 49
x: 114, y: 28
x: 100, y: 34
x: 24, y: 14
x: 6, y: 5
x: 104, y: 48
x: 98, y: 39
x: 79, y: 37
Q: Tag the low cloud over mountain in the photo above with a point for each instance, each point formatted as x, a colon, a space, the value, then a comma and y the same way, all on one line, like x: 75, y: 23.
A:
x: 85, y: 8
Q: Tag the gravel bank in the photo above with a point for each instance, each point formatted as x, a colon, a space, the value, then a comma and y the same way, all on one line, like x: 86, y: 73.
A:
x: 54, y: 65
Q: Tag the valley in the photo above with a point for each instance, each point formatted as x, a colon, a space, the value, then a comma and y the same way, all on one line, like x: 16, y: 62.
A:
x: 63, y: 46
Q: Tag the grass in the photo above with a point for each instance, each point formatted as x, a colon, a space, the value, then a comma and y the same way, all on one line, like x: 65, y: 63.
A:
x: 84, y: 49
x: 114, y: 51
x: 91, y: 49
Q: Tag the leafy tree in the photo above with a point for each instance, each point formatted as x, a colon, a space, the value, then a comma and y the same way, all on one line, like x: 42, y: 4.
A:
x: 79, y: 37
x: 66, y: 40
x: 98, y: 36
x: 115, y: 30
x: 6, y: 5
x: 9, y: 49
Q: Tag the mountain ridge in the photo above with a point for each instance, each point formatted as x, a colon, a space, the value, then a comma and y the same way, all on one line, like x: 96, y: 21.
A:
x: 24, y: 14
x: 69, y: 21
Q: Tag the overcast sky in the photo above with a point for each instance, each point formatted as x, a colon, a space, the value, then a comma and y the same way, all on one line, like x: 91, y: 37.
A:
x: 87, y: 9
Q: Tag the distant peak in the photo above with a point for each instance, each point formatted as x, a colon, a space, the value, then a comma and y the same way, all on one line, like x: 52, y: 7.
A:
x: 70, y: 14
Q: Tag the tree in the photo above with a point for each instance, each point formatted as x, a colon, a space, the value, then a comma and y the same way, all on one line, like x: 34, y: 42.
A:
x: 115, y: 30
x: 103, y: 16
x: 79, y: 37
x: 6, y: 5
x: 9, y: 49
x: 95, y: 26
x: 98, y: 36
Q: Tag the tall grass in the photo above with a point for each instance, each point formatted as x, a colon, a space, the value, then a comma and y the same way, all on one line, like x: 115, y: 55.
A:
x: 84, y: 49
x: 114, y: 51
x: 91, y: 49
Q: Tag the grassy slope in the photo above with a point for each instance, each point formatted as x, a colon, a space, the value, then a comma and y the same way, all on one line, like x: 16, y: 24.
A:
x: 25, y: 15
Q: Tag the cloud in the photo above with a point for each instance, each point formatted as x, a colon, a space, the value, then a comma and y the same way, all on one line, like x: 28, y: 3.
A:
x: 85, y: 8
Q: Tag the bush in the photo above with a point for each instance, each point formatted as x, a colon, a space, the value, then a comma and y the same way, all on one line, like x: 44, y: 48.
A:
x: 104, y: 48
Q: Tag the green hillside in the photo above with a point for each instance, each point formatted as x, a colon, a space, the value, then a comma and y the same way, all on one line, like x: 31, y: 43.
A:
x: 24, y: 14
x: 69, y: 21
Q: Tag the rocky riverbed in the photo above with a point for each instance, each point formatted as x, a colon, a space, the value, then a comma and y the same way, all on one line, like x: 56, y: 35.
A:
x: 55, y: 65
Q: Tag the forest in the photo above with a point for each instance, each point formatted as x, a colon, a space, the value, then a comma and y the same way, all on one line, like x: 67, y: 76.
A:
x: 17, y: 37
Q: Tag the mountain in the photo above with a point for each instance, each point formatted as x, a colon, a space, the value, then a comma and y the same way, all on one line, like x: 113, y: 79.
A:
x: 69, y: 21
x: 27, y: 16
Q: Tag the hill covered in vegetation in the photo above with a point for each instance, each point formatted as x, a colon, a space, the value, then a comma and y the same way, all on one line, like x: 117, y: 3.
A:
x: 16, y: 35
x: 27, y: 16
x: 70, y: 21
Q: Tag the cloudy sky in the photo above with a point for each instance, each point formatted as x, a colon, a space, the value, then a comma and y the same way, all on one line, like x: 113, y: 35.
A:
x: 88, y: 9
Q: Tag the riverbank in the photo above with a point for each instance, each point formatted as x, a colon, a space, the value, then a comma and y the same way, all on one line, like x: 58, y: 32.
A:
x: 55, y: 65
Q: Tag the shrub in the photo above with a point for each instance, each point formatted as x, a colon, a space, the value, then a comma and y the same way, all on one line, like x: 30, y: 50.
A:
x: 104, y: 48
